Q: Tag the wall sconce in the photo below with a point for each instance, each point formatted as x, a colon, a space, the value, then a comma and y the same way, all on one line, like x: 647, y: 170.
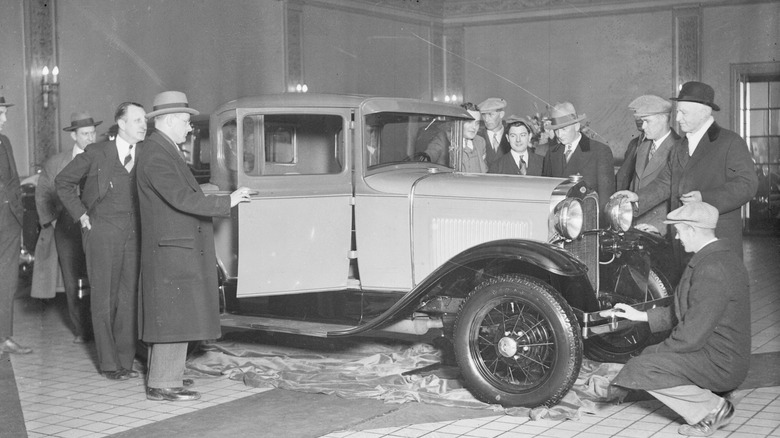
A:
x: 49, y: 84
x: 301, y: 88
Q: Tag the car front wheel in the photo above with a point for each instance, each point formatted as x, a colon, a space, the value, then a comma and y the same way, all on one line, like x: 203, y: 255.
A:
x: 517, y: 342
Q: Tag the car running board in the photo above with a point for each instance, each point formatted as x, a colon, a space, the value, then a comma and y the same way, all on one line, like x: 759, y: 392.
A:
x: 307, y: 328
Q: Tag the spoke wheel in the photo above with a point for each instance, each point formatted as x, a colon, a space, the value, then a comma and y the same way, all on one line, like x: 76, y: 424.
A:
x: 620, y: 346
x: 517, y: 343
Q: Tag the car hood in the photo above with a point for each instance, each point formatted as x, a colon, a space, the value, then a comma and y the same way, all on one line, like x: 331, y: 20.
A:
x: 435, y: 182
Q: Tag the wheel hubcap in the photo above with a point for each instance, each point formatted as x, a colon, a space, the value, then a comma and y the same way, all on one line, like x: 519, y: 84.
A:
x: 507, y: 347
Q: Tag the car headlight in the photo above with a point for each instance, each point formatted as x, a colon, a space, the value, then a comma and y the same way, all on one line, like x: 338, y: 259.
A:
x: 620, y: 213
x: 568, y: 218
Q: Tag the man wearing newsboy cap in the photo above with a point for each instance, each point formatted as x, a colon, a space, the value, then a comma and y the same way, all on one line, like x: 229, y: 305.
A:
x: 10, y: 236
x: 646, y: 155
x: 178, y: 279
x: 492, y: 112
x: 708, y: 349
x: 56, y: 221
x: 710, y: 164
x: 98, y: 190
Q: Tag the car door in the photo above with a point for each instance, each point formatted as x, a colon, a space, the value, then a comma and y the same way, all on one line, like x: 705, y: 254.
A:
x: 295, y: 235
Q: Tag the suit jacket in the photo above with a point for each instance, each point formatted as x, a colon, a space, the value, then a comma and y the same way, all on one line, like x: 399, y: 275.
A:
x: 591, y: 159
x: 625, y: 174
x: 506, y: 165
x: 709, y: 345
x: 492, y: 156
x: 10, y: 191
x: 721, y: 168
x: 93, y: 168
x: 47, y: 269
x: 178, y: 293
x: 473, y: 161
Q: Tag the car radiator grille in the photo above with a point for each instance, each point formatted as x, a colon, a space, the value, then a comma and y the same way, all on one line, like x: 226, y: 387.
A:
x: 586, y: 248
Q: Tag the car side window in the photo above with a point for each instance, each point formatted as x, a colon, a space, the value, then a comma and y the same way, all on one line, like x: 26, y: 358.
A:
x: 292, y: 144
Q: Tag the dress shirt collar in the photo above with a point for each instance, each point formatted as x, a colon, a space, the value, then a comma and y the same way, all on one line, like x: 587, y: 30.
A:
x: 76, y: 150
x: 122, y: 147
x: 517, y: 155
x: 659, y: 141
x: 695, y: 137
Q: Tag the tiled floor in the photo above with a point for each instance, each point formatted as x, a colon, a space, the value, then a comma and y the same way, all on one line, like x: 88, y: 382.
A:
x: 62, y: 395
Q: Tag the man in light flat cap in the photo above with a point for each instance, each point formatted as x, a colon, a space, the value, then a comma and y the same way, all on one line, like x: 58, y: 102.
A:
x: 646, y: 155
x: 56, y: 222
x: 492, y: 112
x: 98, y: 189
x: 707, y: 352
x: 574, y: 153
x: 711, y: 164
x: 178, y: 279
x: 10, y: 238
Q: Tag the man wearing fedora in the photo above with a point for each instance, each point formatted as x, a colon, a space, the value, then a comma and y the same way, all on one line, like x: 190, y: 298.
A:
x: 574, y: 153
x: 707, y: 352
x: 179, y: 300
x: 496, y: 144
x: 711, y: 164
x: 106, y: 208
x: 10, y: 238
x: 67, y: 230
x: 645, y: 159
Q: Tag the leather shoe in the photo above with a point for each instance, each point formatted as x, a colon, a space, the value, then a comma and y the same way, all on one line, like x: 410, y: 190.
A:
x: 171, y: 394
x: 711, y: 423
x: 132, y: 374
x: 10, y: 346
x: 119, y: 374
x: 187, y: 382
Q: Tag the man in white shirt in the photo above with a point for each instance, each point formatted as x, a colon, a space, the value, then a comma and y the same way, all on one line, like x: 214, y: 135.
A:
x: 711, y: 164
x: 66, y: 230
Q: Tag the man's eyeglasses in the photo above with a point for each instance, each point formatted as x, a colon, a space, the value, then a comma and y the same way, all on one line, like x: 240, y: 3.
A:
x: 187, y: 121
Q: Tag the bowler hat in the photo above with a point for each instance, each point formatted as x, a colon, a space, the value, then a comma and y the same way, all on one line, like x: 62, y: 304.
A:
x: 649, y: 105
x: 169, y: 102
x: 80, y: 120
x: 563, y: 115
x: 698, y: 92
x: 492, y: 104
x: 2, y: 102
x: 695, y: 214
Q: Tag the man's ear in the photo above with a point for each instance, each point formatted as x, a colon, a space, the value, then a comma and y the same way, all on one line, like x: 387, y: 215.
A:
x: 73, y: 135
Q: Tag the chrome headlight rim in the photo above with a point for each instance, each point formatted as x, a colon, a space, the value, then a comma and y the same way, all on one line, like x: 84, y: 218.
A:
x: 620, y: 214
x: 568, y: 218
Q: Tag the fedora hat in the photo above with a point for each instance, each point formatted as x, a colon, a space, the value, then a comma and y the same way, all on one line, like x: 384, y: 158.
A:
x: 169, y: 102
x: 2, y: 102
x: 80, y: 120
x: 563, y: 115
x: 698, y: 92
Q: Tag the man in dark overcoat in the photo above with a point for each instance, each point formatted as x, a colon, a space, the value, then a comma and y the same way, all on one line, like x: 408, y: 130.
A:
x: 574, y: 153
x: 708, y: 349
x: 54, y: 218
x: 107, y: 209
x: 711, y: 164
x: 179, y: 294
x: 492, y: 112
x: 10, y: 238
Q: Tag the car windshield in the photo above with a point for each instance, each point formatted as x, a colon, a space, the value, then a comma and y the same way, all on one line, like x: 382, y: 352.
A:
x: 394, y: 138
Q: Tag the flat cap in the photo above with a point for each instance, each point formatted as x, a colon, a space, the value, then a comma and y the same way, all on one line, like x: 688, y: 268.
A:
x: 695, y: 214
x: 492, y: 104
x: 649, y: 105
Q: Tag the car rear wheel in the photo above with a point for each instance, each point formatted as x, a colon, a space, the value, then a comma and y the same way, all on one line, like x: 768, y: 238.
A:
x: 517, y: 342
x: 620, y: 346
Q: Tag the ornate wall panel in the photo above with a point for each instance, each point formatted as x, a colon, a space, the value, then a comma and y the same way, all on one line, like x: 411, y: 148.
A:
x: 41, y: 50
x: 293, y: 44
x: 687, y: 46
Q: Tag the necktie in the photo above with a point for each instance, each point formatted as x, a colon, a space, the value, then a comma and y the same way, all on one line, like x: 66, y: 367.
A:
x: 569, y: 150
x: 653, y: 148
x: 128, y: 161
x: 495, y: 141
x: 523, y: 169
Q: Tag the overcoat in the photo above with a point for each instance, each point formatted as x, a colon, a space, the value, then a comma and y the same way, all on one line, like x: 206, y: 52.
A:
x: 473, y: 160
x: 10, y: 191
x: 506, y: 165
x: 178, y: 299
x: 86, y: 179
x: 591, y: 159
x: 709, y: 345
x: 721, y: 168
x: 625, y: 174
